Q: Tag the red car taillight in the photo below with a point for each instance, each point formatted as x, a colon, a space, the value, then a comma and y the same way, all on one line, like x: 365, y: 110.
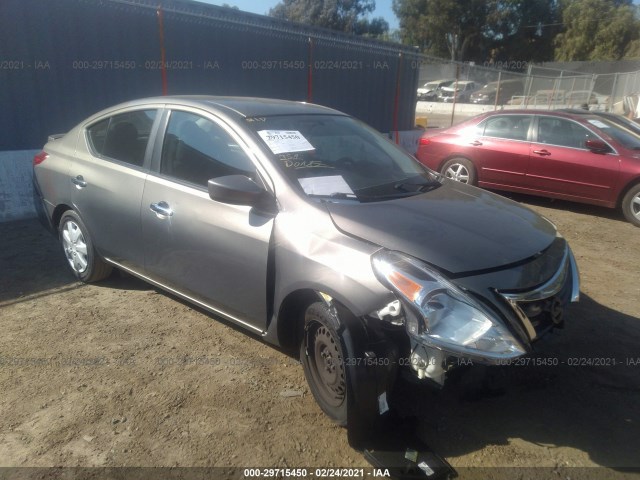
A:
x: 40, y: 157
x: 424, y: 141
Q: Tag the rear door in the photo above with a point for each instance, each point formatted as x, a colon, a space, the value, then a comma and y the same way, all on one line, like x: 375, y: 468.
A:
x: 107, y: 177
x: 561, y: 164
x: 215, y: 253
x: 500, y: 150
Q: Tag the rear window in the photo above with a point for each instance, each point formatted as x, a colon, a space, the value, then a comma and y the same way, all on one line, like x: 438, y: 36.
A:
x: 510, y: 127
x: 122, y: 137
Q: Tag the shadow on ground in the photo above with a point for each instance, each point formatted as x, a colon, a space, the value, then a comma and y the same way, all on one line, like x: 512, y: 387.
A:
x: 33, y: 264
x: 564, y: 205
x: 582, y: 393
x: 585, y: 397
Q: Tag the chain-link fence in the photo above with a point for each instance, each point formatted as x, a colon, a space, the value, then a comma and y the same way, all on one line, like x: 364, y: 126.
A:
x: 452, y: 91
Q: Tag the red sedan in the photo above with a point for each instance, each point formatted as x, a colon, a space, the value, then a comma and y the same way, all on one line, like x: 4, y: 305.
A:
x: 579, y: 156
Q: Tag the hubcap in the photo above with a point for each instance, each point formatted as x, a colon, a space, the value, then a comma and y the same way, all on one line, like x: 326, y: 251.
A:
x: 635, y: 206
x: 75, y: 246
x: 328, y: 367
x: 457, y: 172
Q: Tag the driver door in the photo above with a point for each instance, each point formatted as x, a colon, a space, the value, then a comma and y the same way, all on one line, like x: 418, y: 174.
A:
x: 213, y: 252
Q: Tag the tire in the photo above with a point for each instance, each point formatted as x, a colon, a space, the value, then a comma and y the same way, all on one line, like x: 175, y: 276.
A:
x: 322, y: 358
x: 78, y: 249
x: 631, y: 205
x: 461, y: 170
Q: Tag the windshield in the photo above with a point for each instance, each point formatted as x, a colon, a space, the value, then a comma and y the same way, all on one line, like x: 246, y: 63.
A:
x: 337, y: 158
x: 625, y: 134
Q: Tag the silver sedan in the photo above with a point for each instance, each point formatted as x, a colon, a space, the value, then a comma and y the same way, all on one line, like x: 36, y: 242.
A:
x: 311, y: 230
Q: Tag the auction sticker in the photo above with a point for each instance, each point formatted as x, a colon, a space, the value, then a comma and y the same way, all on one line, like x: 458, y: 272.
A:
x: 285, y: 141
x: 598, y: 123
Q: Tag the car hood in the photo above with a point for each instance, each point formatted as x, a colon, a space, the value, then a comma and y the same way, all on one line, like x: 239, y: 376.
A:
x: 456, y: 228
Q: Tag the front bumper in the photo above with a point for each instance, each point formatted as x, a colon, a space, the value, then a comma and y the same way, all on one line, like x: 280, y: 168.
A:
x: 529, y: 312
x: 541, y: 309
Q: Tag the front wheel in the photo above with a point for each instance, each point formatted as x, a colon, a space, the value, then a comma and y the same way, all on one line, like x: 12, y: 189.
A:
x: 323, y: 362
x: 631, y: 205
x: 82, y: 258
x: 461, y: 170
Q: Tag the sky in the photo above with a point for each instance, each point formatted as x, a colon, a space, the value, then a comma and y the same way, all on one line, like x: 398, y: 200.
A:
x: 383, y: 8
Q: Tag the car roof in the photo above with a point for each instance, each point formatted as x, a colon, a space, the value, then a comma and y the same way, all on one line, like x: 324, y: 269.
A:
x: 573, y: 113
x: 237, y: 106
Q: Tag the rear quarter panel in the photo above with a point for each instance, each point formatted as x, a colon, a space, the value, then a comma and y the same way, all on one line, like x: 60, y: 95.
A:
x: 52, y: 175
x: 440, y: 148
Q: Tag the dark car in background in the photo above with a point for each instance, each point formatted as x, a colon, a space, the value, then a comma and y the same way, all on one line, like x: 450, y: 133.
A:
x: 502, y: 90
x: 311, y: 230
x: 579, y: 156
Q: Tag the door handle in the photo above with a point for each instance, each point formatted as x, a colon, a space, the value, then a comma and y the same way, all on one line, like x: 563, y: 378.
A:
x: 161, y: 209
x: 476, y: 143
x: 79, y: 182
x: 544, y: 153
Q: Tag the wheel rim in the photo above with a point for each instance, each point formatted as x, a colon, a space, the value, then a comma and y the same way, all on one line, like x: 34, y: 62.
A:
x: 327, y: 367
x: 457, y: 172
x: 75, y: 246
x: 635, y: 206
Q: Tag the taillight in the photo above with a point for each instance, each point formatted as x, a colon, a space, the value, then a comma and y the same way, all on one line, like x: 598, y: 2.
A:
x: 40, y: 157
x: 424, y: 141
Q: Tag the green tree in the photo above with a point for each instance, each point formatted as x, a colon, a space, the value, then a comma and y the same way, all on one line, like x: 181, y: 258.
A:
x: 597, y: 30
x: 444, y: 28
x: 344, y: 15
x: 377, y: 28
x: 480, y: 30
x: 522, y: 30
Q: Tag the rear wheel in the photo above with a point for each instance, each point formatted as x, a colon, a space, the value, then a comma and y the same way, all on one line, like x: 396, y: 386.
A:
x: 461, y: 170
x: 631, y: 205
x: 322, y: 359
x: 82, y: 258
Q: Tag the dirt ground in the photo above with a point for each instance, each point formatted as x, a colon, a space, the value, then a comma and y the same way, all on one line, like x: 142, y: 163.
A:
x: 120, y: 374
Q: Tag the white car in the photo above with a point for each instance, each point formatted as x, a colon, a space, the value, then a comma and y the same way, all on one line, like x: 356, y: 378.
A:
x: 461, y: 91
x: 429, y: 91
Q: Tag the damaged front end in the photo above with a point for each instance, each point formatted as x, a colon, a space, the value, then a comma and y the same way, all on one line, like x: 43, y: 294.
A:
x: 451, y: 323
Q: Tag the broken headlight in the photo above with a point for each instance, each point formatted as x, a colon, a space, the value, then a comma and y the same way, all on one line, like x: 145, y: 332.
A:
x: 449, y: 319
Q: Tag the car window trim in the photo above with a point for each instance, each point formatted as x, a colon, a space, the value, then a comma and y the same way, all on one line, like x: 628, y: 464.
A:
x: 146, y: 164
x: 613, y: 152
x: 529, y: 130
x: 159, y: 142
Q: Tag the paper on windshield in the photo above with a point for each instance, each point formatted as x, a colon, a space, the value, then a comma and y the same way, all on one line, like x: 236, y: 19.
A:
x: 598, y: 123
x: 285, y: 141
x: 325, y: 185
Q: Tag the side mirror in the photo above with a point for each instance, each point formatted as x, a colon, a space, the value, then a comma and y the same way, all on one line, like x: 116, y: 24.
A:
x: 597, y: 146
x: 237, y: 190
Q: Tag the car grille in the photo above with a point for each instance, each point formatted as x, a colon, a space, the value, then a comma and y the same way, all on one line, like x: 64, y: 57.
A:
x: 541, y: 309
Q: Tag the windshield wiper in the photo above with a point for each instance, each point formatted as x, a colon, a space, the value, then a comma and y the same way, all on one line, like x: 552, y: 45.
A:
x: 388, y: 196
x: 335, y: 195
x: 419, y: 187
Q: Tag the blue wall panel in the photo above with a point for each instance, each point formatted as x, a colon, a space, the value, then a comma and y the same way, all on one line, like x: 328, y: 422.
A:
x: 62, y: 60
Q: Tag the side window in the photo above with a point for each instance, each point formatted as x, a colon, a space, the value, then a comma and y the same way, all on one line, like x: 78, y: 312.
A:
x: 196, y: 149
x: 562, y: 132
x: 123, y: 137
x: 97, y: 134
x: 510, y: 127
